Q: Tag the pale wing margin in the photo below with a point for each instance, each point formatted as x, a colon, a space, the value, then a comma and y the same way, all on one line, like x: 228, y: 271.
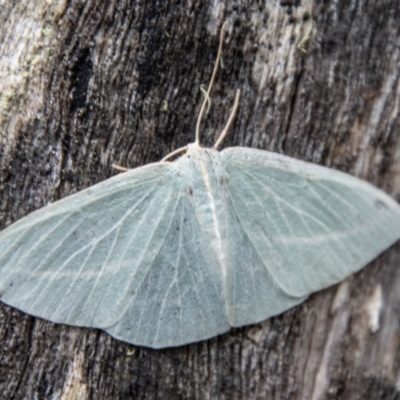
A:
x: 76, y: 260
x: 312, y: 226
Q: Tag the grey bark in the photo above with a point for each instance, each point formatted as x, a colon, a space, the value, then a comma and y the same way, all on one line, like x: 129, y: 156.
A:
x: 87, y: 84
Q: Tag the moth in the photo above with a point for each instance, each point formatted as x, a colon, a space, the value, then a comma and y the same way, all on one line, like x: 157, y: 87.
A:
x: 179, y: 251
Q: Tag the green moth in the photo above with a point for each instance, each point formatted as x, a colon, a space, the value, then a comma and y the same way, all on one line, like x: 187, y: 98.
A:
x: 180, y: 251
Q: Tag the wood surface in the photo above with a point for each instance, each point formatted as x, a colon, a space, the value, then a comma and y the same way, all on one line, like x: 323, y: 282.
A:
x: 85, y: 84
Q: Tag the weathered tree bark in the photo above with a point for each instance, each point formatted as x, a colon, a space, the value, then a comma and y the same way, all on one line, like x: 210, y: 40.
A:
x: 87, y: 84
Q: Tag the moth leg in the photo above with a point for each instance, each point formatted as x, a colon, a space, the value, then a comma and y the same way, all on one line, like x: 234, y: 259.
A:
x: 119, y: 168
x: 175, y: 153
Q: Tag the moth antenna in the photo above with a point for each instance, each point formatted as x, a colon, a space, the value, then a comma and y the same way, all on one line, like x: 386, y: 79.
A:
x: 230, y: 120
x: 207, y: 96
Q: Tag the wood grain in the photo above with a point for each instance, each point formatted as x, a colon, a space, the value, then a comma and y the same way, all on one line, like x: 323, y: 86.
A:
x: 87, y: 84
